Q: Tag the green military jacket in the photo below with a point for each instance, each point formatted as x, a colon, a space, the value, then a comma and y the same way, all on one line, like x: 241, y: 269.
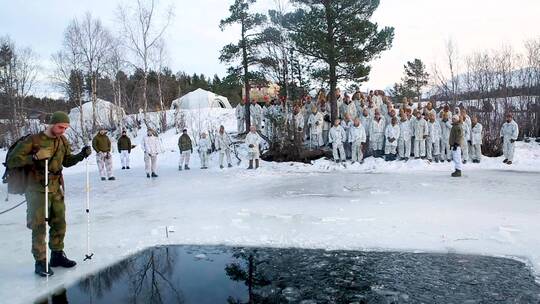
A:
x: 21, y: 156
x: 124, y: 143
x: 456, y: 135
x: 101, y: 143
x: 184, y: 143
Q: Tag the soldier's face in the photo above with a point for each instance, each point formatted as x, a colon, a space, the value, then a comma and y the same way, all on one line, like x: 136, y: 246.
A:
x: 59, y: 129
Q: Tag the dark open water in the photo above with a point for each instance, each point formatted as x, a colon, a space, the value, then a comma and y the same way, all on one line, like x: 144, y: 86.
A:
x: 209, y: 274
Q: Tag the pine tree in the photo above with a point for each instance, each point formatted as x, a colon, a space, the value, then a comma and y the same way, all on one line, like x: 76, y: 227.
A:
x: 416, y: 76
x: 338, y: 35
x: 246, y: 48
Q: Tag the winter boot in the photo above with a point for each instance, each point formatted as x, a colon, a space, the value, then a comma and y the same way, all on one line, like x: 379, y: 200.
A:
x: 229, y: 166
x: 154, y: 174
x: 112, y: 178
x: 148, y: 175
x: 509, y: 162
x: 39, y: 269
x: 123, y: 168
x: 186, y: 167
x: 179, y: 168
x: 337, y: 161
x: 464, y: 162
x: 448, y: 160
x: 128, y: 167
x: 456, y: 173
x: 256, y: 164
x: 221, y: 166
x: 250, y: 164
x: 59, y: 259
x: 505, y: 160
x: 103, y: 178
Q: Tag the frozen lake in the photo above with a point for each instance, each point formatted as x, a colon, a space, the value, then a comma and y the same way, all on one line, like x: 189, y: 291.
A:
x: 487, y: 212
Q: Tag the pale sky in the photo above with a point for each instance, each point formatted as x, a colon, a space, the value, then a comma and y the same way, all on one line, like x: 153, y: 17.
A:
x: 194, y: 38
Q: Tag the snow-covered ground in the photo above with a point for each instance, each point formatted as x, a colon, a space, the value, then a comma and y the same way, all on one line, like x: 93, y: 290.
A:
x: 415, y: 206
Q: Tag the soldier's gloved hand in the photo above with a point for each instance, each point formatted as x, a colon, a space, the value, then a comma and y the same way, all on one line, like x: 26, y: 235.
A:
x: 209, y: 151
x: 470, y: 142
x: 42, y: 153
x: 85, y: 151
x: 512, y: 140
x: 251, y: 146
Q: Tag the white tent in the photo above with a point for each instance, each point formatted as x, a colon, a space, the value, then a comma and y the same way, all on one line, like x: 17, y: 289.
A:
x: 200, y: 99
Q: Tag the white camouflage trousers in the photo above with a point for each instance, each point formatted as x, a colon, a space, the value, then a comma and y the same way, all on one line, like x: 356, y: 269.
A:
x: 124, y: 158
x: 456, y: 157
x: 404, y: 148
x: 476, y: 152
x: 357, y: 155
x: 241, y: 125
x: 376, y: 142
x: 508, y: 150
x: 150, y: 163
x: 390, y: 149
x: 419, y: 148
x: 338, y: 148
x: 446, y: 152
x: 433, y: 148
x: 465, y: 151
x: 222, y: 154
x: 184, y: 158
x: 204, y: 159
x: 105, y: 164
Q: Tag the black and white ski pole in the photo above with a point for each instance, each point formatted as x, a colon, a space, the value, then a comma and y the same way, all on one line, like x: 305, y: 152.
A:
x: 88, y: 255
x: 47, y: 216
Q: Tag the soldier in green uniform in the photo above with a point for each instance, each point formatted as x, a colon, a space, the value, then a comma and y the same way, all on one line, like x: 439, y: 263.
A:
x: 31, y: 154
x: 124, y: 148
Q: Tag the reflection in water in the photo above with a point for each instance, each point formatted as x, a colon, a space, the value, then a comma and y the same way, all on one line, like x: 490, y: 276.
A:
x: 246, y: 269
x: 192, y: 274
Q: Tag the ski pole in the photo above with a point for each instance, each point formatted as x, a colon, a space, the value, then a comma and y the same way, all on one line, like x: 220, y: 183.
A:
x: 46, y: 216
x: 88, y: 255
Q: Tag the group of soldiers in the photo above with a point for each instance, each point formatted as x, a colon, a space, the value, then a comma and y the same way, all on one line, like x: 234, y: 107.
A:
x: 370, y: 125
x: 365, y: 125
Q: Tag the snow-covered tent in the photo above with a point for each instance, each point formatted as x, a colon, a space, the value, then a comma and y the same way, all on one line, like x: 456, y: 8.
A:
x: 200, y: 99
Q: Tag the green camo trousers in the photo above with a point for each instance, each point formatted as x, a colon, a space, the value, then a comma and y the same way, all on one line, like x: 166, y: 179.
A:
x: 35, y: 220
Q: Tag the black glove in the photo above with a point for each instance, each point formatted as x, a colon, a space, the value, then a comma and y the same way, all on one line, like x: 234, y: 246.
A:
x: 512, y: 140
x: 85, y: 152
x: 209, y: 151
x: 251, y: 146
x: 454, y: 147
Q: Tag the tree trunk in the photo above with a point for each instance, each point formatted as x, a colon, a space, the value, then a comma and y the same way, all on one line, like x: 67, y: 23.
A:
x: 332, y: 64
x: 145, y: 98
x: 247, y: 86
x: 160, y: 96
x: 94, y: 100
